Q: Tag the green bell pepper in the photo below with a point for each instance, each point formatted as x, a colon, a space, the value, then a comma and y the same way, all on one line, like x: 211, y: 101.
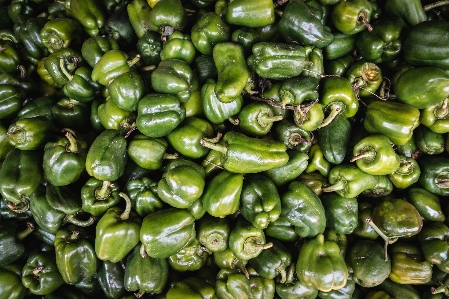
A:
x: 234, y: 285
x: 126, y: 90
x: 54, y: 69
x: 222, y: 194
x: 342, y: 45
x: 295, y: 288
x: 260, y: 202
x: 246, y: 37
x: 143, y: 194
x: 30, y: 133
x: 111, y: 279
x: 297, y: 163
x: 349, y: 181
x: 190, y: 288
x: 191, y: 257
x: 11, y: 100
x: 428, y: 141
x: 5, y: 146
x: 61, y: 33
x: 257, y: 119
x: 9, y: 57
x: 366, y: 260
x: 110, y: 65
x: 293, y: 137
x: 427, y: 203
x: 383, y: 187
x: 412, y: 13
x: 435, y: 249
x: 408, y: 265
x: 119, y: 26
x: 175, y: 77
x: 94, y: 47
x: 90, y: 15
x: 159, y: 114
x: 226, y: 260
x: 145, y: 274
x: 64, y: 160
x: 300, y: 23
x: 341, y: 213
x: 98, y: 196
x: 435, y: 117
x: 29, y: 34
x: 423, y: 90
x: 139, y: 15
x: 250, y: 13
x: 11, y: 238
x: 40, y: 274
x: 246, y: 241
x: 374, y: 155
x: 165, y: 232
x: 166, y: 16
x: 363, y: 229
x: 148, y: 152
x: 434, y: 174
x: 75, y: 254
x: 21, y: 174
x: 333, y: 139
x: 296, y: 90
x: 351, y: 17
x: 80, y: 86
x: 243, y: 154
x: 317, y: 162
x: 106, y: 157
x: 208, y: 31
x: 117, y: 226
x: 277, y: 60
x: 394, y: 120
x: 71, y: 113
x: 365, y: 78
x: 11, y: 283
x: 406, y: 174
x: 321, y: 265
x: 178, y: 46
x: 182, y: 183
x: 303, y: 209
x: 213, y: 232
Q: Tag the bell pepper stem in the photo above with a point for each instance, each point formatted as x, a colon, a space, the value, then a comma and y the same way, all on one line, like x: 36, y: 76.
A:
x: 140, y: 293
x: 405, y: 168
x: 264, y: 119
x: 369, y: 154
x: 296, y: 139
x: 37, y: 270
x: 283, y: 273
x: 209, y: 143
x: 442, y: 180
x: 340, y: 185
x: 241, y: 266
x: 22, y: 71
x: 104, y: 192
x: 234, y: 121
x: 167, y: 156
x: 125, y: 215
x: 24, y: 233
x: 20, y: 207
x: 335, y: 109
x: 64, y: 70
x: 74, y: 235
x: 253, y: 244
x: 72, y: 147
x: 441, y: 289
x: 142, y: 251
x: 134, y: 60
x: 388, y: 240
x: 83, y: 223
x: 215, y: 240
x: 215, y: 139
x: 435, y: 5
x: 442, y: 111
x: 290, y: 274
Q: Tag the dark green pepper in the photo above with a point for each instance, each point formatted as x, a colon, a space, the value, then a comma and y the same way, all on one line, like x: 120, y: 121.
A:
x: 119, y: 26
x: 90, y: 15
x: 412, y: 13
x: 29, y: 34
x: 333, y: 139
x: 94, y: 47
x: 213, y: 232
x: 434, y: 174
x: 282, y: 175
x: 54, y: 68
x: 250, y: 13
x: 435, y: 249
x: 257, y: 119
x: 427, y: 204
x: 293, y: 137
x: 191, y: 257
x: 80, y: 86
x: 11, y: 240
x: 61, y: 33
x: 11, y: 100
x: 139, y: 14
x: 98, y: 196
x: 11, y: 283
x: 111, y: 279
x: 143, y: 194
x: 341, y: 213
x: 166, y: 16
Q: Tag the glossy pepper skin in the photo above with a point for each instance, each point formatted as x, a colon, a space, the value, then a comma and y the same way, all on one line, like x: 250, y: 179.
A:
x: 222, y: 195
x: 365, y: 77
x: 111, y: 279
x: 366, y: 259
x: 158, y: 114
x: 11, y: 240
x: 244, y: 154
x: 303, y: 209
x: 106, y: 157
x: 75, y: 255
x: 178, y: 46
x: 110, y: 65
x: 292, y: 136
x: 53, y: 69
x: 90, y: 15
x: 341, y: 213
x: 250, y: 13
x: 408, y: 265
x: 81, y: 87
x: 11, y: 283
x: 64, y: 160
x: 119, y: 26
x: 98, y: 196
x: 428, y: 141
x: 139, y: 14
x: 113, y: 117
x: 145, y: 274
x: 60, y: 33
x: 208, y: 31
x: 191, y: 257
x: 148, y: 152
x: 117, y: 232
x: 30, y: 133
x: 29, y: 34
x: 40, y: 274
x: 166, y: 231
x: 277, y: 60
x: 143, y: 194
x: 351, y: 17
x: 435, y: 117
x: 333, y: 140
x: 181, y: 184
x: 126, y: 90
x: 11, y: 100
x: 94, y: 47
x: 321, y: 265
x: 257, y: 119
x: 297, y: 163
x: 394, y: 120
x: 176, y: 77
x: 296, y: 90
x: 434, y: 174
x: 300, y: 23
x: 213, y: 232
x: 412, y: 13
x: 166, y: 16
x: 427, y: 203
x: 191, y: 287
x: 21, y: 175
x: 423, y: 47
x: 433, y: 245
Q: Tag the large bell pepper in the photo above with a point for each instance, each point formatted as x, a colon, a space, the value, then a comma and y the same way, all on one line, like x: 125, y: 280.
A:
x: 394, y: 120
x: 426, y: 203
x: 176, y: 77
x: 61, y: 33
x: 246, y: 241
x: 412, y: 13
x: 434, y: 174
x: 243, y: 154
x: 106, y: 158
x: 166, y: 231
x: 166, y: 16
x: 111, y: 279
x: 208, y: 31
x: 117, y: 232
x: 145, y: 274
x: 321, y: 264
x: 250, y: 13
x: 233, y: 74
x: 341, y: 213
x: 300, y: 23
x: 149, y: 47
x: 435, y: 249
x: 333, y: 139
x: 75, y: 254
x: 98, y: 196
x: 11, y: 237
x: 21, y: 174
x: 90, y: 15
x: 72, y: 114
x: 303, y: 209
x: 366, y: 260
x: 191, y: 257
x: 64, y: 160
x: 94, y: 47
x: 423, y: 46
x: 178, y: 46
x: 111, y: 64
x: 9, y: 57
x: 213, y: 232
x: 351, y: 17
x: 40, y: 274
x: 81, y: 87
x: 182, y: 183
x: 277, y: 60
x: 143, y: 194
x: 31, y: 133
x: 126, y: 90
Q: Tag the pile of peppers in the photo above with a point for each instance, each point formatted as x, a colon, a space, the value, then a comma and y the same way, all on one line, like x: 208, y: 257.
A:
x: 224, y: 149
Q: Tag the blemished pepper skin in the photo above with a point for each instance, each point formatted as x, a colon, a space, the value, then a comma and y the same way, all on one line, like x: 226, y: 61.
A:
x: 321, y: 264
x: 423, y: 46
x: 145, y: 274
x: 166, y: 231
x: 40, y: 273
x: 300, y: 23
x: 303, y: 209
x: 149, y: 47
x: 106, y: 157
x: 117, y: 232
x: 365, y: 77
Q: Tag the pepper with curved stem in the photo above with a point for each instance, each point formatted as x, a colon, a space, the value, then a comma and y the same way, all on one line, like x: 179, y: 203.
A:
x: 388, y: 240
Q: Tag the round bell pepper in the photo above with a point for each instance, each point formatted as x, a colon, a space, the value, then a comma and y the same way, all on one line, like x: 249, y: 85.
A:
x: 428, y: 141
x: 434, y: 174
x: 178, y: 46
x: 30, y: 133
x: 213, y: 233
x: 149, y: 47
x: 365, y: 78
x: 406, y: 174
x: 257, y: 119
x: 71, y: 113
x: 351, y: 17
x: 111, y: 279
x: 90, y: 15
x: 61, y: 33
x: 11, y: 283
x: 110, y: 65
x: 208, y: 31
x: 143, y: 194
x: 149, y: 153
x: 426, y: 203
x: 191, y: 257
x: 126, y: 90
x: 341, y: 213
x: 94, y: 47
x: 54, y: 68
x: 167, y: 15
x: 98, y: 196
x: 11, y: 100
x: 81, y: 87
x: 436, y: 116
x: 295, y: 91
x: 250, y: 13
x: 321, y: 265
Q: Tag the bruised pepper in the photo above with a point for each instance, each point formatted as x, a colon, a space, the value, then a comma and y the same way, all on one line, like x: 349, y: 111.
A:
x: 242, y: 154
